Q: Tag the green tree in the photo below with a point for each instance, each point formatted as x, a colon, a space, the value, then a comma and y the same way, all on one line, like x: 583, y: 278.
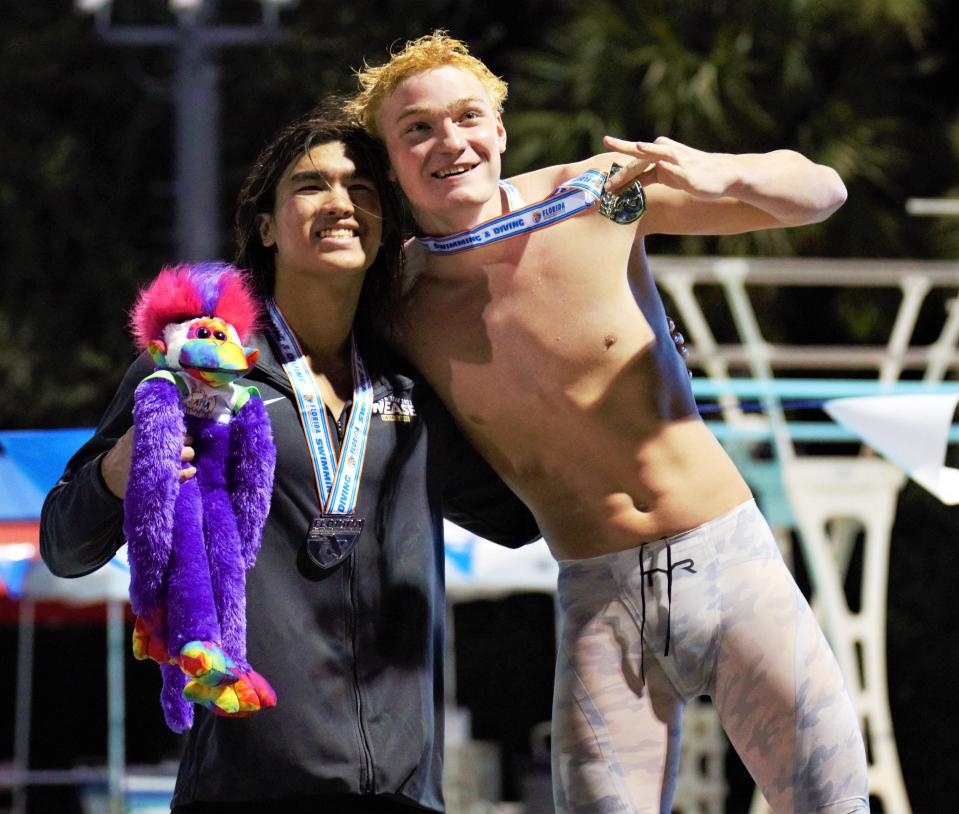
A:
x: 845, y: 82
x: 86, y: 165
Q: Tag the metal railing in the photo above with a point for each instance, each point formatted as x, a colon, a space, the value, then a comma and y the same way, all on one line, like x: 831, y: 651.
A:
x: 826, y: 501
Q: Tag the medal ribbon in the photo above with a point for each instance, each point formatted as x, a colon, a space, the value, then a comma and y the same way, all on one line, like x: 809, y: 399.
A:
x: 568, y: 200
x: 337, y: 481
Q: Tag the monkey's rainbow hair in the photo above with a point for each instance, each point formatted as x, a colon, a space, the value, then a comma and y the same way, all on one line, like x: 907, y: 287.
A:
x: 187, y: 291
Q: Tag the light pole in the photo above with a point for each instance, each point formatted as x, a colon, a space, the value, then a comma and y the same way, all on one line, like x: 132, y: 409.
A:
x: 196, y: 38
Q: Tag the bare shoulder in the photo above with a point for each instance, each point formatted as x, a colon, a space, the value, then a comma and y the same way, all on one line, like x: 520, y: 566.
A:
x: 600, y: 161
x: 414, y: 266
x: 539, y: 183
x: 407, y: 293
x: 536, y: 184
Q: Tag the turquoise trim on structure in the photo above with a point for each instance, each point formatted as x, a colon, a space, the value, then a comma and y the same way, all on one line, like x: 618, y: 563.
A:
x: 816, y: 388
x: 798, y: 430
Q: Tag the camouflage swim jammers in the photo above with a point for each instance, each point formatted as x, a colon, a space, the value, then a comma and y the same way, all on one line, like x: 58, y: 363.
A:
x: 713, y: 611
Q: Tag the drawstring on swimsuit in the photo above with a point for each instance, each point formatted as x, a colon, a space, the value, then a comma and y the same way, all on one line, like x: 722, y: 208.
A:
x: 642, y: 621
x: 686, y: 565
x: 669, y: 596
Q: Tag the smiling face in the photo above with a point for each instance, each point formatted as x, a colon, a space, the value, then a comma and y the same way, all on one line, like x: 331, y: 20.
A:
x: 444, y: 140
x: 326, y: 218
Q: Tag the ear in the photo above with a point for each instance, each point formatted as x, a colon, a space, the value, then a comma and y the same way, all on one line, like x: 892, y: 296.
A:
x: 157, y: 350
x: 391, y: 174
x: 264, y: 223
x: 500, y: 133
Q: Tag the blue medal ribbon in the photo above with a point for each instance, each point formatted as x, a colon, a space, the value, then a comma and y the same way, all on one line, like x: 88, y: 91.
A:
x: 337, y: 480
x: 568, y: 200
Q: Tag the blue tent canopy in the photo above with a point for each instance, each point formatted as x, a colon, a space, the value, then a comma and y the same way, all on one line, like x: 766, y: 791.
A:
x: 31, y: 462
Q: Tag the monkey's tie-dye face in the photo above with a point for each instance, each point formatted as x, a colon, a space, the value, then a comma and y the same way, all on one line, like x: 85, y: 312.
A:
x: 206, y: 348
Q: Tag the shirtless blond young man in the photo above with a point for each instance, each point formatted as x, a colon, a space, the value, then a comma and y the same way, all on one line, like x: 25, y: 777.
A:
x: 551, y: 349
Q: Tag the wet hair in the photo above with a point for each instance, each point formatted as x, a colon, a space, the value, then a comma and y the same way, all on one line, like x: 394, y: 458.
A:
x: 436, y: 50
x: 322, y: 125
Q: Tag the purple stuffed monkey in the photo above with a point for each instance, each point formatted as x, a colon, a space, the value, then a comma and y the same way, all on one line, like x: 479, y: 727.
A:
x: 190, y: 544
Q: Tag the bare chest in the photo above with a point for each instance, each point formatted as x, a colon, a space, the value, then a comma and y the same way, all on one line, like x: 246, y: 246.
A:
x: 535, y: 318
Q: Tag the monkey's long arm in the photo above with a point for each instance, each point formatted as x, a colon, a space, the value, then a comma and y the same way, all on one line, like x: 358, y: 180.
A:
x: 152, y: 491
x: 250, y: 473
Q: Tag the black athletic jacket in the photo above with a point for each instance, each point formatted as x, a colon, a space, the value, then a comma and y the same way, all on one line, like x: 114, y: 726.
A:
x: 355, y: 655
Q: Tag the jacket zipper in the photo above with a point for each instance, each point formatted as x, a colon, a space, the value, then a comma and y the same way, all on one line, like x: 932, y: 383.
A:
x: 367, y: 778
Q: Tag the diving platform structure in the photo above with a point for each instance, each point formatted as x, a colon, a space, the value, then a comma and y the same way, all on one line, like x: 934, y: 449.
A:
x: 839, y: 507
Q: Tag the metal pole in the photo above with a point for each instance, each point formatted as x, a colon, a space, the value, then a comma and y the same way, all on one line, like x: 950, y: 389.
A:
x: 116, y: 708
x: 24, y: 700
x: 197, y: 39
x: 197, y: 146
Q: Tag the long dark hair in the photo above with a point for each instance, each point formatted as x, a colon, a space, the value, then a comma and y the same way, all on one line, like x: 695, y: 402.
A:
x: 257, y: 196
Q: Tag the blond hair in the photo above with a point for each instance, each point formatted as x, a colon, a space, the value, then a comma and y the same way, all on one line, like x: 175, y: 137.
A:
x: 436, y: 50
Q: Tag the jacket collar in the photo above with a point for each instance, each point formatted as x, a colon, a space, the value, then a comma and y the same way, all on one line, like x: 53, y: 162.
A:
x: 268, y: 365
